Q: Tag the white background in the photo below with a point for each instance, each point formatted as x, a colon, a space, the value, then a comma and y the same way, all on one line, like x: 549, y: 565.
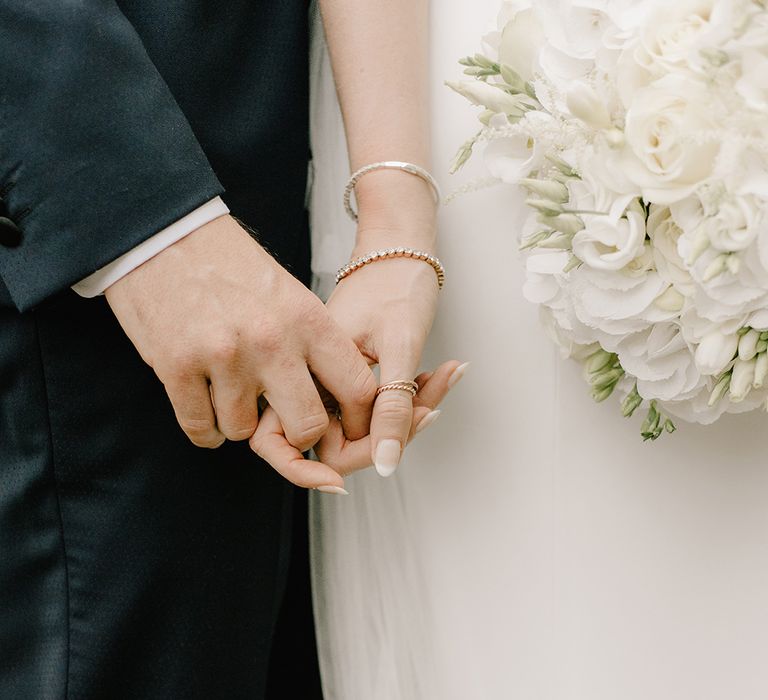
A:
x: 571, y: 561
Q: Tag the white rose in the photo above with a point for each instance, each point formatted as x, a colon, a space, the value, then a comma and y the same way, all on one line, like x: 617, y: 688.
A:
x: 672, y: 32
x: 610, y: 244
x: 669, y: 151
x: 668, y: 36
x: 577, y: 28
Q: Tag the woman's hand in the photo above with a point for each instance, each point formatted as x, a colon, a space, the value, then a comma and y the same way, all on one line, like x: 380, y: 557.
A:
x: 338, y: 455
x: 387, y: 308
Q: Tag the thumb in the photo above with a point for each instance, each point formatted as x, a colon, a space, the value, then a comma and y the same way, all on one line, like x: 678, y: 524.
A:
x: 392, y: 416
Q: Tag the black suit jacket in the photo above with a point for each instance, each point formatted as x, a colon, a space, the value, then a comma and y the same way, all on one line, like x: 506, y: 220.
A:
x: 132, y: 564
x: 118, y: 118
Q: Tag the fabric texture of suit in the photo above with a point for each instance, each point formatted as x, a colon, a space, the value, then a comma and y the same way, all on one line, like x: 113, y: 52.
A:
x: 132, y: 564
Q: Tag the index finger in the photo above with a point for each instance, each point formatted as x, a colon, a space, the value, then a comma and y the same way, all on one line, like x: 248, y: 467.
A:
x: 270, y: 443
x: 344, y: 372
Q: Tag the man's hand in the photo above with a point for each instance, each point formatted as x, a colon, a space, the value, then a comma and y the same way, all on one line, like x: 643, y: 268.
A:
x: 221, y: 323
x: 340, y: 454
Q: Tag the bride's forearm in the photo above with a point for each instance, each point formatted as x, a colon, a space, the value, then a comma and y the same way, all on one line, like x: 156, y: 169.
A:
x: 380, y: 56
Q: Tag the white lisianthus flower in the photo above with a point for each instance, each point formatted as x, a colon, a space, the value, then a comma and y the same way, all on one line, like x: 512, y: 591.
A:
x: 521, y: 40
x: 735, y: 224
x: 670, y: 150
x: 661, y: 361
x: 609, y: 244
x: 665, y: 235
x: 513, y: 158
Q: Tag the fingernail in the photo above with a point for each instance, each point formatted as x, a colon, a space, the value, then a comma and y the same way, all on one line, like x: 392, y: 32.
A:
x: 425, y: 422
x: 337, y: 490
x: 458, y: 373
x: 388, y: 457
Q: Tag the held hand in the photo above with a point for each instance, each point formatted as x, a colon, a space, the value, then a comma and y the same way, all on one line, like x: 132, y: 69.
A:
x: 339, y: 456
x: 221, y: 323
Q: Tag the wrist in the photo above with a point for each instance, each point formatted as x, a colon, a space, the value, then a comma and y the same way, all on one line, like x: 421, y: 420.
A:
x: 395, y: 209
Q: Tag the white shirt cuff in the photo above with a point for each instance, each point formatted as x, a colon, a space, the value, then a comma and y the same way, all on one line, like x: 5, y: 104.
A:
x: 96, y: 283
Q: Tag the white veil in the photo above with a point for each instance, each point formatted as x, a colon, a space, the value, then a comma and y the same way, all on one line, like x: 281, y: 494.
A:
x: 371, y: 606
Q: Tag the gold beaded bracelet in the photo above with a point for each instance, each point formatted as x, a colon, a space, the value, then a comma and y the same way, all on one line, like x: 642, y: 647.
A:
x: 389, y: 253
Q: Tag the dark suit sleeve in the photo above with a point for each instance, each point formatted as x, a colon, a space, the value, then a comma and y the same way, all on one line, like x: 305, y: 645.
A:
x: 95, y: 154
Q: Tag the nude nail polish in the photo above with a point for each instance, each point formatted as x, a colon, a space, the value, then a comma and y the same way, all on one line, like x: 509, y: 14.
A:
x: 428, y: 420
x: 388, y: 457
x: 337, y: 490
x: 458, y: 373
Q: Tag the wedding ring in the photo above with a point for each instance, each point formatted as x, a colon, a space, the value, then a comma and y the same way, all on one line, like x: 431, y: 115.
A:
x: 409, y: 386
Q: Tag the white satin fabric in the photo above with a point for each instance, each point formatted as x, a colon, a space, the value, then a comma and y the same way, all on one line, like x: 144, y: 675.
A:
x: 530, y: 547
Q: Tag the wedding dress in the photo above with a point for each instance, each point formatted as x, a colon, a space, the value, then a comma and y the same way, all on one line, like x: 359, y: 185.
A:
x: 530, y: 546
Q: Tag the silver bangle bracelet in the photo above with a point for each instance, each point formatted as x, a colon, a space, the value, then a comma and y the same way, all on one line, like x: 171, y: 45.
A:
x: 387, y: 165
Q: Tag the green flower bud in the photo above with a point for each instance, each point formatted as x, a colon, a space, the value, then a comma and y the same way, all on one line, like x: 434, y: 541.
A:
x: 631, y: 403
x: 562, y: 166
x: 720, y: 389
x: 534, y: 240
x: 569, y: 224
x: 761, y: 370
x: 607, y: 379
x: 602, y: 394
x: 599, y: 360
x: 547, y: 189
x: 545, y: 206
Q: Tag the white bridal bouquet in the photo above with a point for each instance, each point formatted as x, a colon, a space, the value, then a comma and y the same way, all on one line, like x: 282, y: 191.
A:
x: 639, y: 129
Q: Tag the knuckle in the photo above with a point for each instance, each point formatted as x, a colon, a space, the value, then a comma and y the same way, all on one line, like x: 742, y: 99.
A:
x: 240, y: 433
x: 201, y: 433
x: 223, y: 350
x: 363, y: 387
x: 179, y: 365
x: 269, y: 339
x: 308, y: 430
x: 312, y: 312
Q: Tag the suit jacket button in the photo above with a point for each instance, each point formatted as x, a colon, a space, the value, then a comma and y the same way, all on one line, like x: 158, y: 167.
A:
x: 10, y: 233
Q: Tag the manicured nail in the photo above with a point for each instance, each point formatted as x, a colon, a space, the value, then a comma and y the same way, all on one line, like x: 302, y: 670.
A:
x: 458, y: 373
x: 388, y: 457
x: 425, y: 422
x: 332, y: 489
